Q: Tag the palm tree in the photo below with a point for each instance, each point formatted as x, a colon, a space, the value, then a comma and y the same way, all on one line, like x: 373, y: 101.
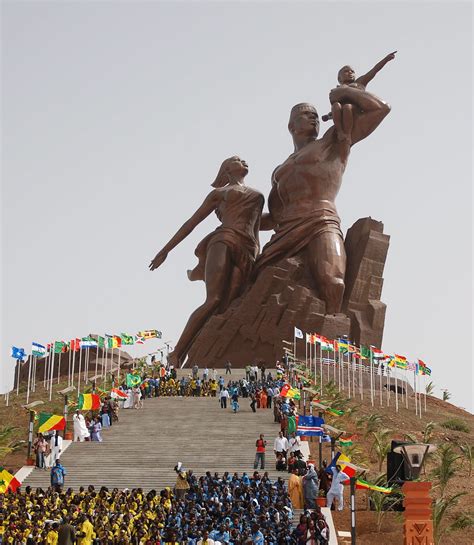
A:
x: 381, y: 445
x: 372, y: 423
x: 446, y: 395
x: 440, y: 507
x: 468, y: 452
x: 429, y: 388
x: 446, y: 468
x: 428, y: 432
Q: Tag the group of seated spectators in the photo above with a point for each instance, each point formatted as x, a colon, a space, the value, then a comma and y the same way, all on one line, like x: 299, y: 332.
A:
x: 230, y: 509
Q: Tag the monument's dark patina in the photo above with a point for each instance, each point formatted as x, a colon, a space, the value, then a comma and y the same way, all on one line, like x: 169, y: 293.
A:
x: 300, y: 276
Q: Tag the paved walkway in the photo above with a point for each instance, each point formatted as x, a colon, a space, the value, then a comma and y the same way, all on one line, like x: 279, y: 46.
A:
x: 142, y: 449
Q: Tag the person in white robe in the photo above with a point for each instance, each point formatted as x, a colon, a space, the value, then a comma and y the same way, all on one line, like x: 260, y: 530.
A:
x: 56, y: 446
x: 129, y: 401
x: 80, y: 428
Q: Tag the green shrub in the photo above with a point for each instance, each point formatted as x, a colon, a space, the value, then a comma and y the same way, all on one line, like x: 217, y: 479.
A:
x: 456, y: 424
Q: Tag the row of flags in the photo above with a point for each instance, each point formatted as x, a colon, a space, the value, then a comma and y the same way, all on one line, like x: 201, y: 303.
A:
x: 344, y: 346
x: 74, y: 345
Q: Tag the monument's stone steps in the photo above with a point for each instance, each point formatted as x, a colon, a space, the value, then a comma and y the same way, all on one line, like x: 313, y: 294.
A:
x: 142, y: 449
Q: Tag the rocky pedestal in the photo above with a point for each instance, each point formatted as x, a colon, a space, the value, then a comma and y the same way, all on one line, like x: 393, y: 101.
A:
x: 283, y: 296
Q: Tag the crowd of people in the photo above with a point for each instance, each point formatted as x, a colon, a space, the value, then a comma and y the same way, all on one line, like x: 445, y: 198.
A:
x: 229, y: 509
x: 232, y: 509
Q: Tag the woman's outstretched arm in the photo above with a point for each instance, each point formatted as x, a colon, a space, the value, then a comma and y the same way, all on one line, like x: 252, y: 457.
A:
x: 208, y: 206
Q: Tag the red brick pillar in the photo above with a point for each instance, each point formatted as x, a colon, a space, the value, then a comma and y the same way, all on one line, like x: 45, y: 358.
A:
x: 418, y: 527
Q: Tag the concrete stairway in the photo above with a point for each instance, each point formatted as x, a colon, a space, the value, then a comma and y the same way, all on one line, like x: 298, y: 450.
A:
x: 142, y: 449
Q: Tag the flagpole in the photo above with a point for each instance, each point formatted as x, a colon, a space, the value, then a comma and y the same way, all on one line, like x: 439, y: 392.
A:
x: 321, y: 366
x: 18, y: 377
x: 73, y: 361
x: 118, y: 368
x: 46, y: 368
x: 86, y: 365
x: 306, y: 352
x: 406, y: 392
x: 361, y: 377
x: 59, y: 364
x: 388, y: 389
x: 371, y: 376
x: 396, y: 390
x: 380, y: 382
x: 80, y: 369
x: 51, y: 374
x: 424, y: 384
x: 294, y: 347
x: 104, y: 366
x: 30, y: 364
x: 419, y: 398
x: 96, y: 358
x: 414, y: 388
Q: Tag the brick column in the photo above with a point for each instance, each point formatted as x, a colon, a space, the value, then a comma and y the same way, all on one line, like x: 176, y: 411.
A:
x: 418, y: 527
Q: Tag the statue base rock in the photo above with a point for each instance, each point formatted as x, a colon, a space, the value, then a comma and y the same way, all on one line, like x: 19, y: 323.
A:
x: 283, y: 296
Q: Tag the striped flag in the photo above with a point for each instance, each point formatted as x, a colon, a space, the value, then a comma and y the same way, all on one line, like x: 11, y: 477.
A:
x: 8, y: 483
x: 88, y: 342
x: 38, y: 350
x: 49, y: 422
x: 88, y: 402
x: 364, y: 485
x: 311, y: 426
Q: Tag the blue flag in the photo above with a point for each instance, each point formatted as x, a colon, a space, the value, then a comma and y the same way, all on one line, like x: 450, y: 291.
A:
x: 310, y: 425
x: 18, y: 353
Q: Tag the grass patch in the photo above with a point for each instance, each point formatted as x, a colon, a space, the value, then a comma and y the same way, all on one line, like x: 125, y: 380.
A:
x: 456, y: 424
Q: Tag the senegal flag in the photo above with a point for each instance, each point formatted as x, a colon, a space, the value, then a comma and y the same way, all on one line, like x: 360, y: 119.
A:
x: 88, y: 402
x: 48, y: 422
x: 7, y: 482
x: 133, y: 380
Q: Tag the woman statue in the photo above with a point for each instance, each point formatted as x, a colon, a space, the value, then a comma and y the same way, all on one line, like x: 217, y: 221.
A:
x: 227, y: 255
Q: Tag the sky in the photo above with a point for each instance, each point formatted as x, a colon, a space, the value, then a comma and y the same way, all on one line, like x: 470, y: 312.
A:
x: 117, y: 115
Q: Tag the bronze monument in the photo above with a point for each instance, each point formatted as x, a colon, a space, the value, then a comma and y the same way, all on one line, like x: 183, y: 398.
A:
x: 301, y: 275
x: 227, y: 255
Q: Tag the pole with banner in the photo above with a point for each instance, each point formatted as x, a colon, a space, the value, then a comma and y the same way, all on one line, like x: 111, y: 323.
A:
x: 353, y: 514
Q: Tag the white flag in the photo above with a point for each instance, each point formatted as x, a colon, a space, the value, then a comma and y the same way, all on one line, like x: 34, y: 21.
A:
x: 298, y: 333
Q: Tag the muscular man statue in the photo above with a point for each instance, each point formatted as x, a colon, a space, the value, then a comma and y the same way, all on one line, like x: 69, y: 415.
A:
x: 304, y: 189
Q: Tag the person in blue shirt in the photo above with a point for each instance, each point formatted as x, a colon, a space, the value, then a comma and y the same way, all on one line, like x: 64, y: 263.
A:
x: 58, y: 472
x: 257, y: 536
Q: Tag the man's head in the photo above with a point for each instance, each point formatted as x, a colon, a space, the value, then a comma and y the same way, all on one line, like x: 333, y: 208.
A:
x: 280, y: 434
x: 304, y: 120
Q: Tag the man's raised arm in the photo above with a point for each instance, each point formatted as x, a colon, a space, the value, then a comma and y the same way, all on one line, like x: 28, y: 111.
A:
x: 369, y: 111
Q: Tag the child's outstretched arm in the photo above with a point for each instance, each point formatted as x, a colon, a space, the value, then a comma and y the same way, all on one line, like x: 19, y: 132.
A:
x: 366, y: 78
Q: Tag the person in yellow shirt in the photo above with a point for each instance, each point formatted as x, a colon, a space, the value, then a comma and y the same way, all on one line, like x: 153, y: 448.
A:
x: 86, y: 532
x: 52, y: 535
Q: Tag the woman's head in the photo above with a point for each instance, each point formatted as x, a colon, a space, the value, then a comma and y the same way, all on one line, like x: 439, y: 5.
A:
x: 232, y: 169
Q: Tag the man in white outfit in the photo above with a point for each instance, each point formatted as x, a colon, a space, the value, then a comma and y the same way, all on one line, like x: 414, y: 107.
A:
x: 80, y: 428
x: 337, y: 488
x: 281, y: 445
x: 56, y: 446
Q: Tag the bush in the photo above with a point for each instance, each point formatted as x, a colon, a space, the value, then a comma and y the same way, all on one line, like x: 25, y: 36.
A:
x: 456, y: 424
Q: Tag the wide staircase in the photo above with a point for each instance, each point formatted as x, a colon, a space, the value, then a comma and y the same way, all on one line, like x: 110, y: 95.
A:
x: 144, y: 446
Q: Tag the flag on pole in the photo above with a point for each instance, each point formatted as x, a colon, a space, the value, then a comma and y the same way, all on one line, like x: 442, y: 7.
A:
x: 127, y: 339
x: 49, y: 422
x: 100, y: 341
x: 65, y: 347
x: 364, y: 485
x: 310, y: 339
x: 139, y: 339
x: 150, y: 334
x: 284, y: 390
x: 343, y: 461
x: 117, y: 341
x: 118, y: 394
x: 343, y: 345
x: 298, y: 333
x: 8, y: 482
x: 75, y: 345
x: 310, y: 426
x: 38, y: 350
x: 376, y: 353
x: 88, y: 342
x: 18, y: 353
x: 58, y: 347
x: 88, y: 402
x: 133, y: 380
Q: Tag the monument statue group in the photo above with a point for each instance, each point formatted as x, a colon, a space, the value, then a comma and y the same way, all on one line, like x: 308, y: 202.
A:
x: 307, y: 275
